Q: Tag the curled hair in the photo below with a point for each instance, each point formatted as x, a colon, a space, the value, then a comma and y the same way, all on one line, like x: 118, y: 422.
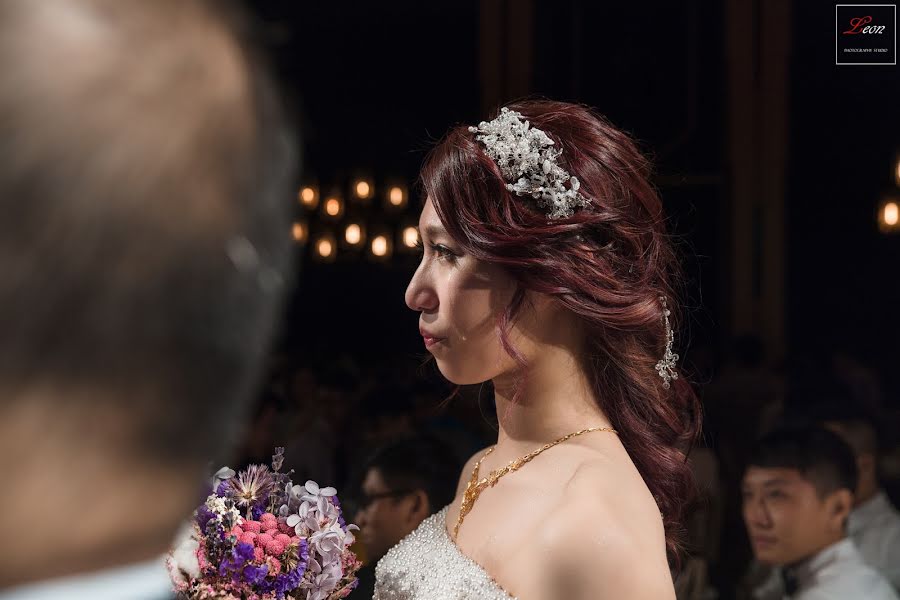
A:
x: 609, y: 264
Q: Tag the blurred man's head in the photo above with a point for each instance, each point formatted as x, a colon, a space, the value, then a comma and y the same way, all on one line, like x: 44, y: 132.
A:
x: 403, y: 484
x: 798, y: 492
x: 144, y: 185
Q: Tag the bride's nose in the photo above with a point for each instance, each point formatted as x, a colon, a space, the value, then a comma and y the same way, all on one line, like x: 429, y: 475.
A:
x: 420, y: 294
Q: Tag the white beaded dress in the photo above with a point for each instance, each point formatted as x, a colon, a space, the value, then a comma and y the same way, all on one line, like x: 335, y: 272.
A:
x: 428, y: 565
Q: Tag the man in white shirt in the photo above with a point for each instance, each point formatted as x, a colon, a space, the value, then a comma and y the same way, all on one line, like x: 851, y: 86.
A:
x: 798, y: 493
x: 144, y: 178
x: 874, y: 523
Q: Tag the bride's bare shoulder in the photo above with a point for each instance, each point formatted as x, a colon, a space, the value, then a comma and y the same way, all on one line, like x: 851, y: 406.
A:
x: 610, y: 536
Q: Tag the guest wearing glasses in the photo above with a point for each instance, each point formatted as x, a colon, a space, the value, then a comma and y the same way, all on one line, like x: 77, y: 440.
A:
x: 403, y: 483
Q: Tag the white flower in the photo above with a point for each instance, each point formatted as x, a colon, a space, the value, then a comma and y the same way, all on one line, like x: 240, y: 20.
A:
x: 329, y: 541
x: 304, y: 520
x: 182, y: 561
x: 321, y: 581
x: 219, y: 507
x: 320, y: 496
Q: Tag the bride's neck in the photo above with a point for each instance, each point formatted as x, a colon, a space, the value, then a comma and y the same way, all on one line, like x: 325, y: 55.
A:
x: 551, y: 398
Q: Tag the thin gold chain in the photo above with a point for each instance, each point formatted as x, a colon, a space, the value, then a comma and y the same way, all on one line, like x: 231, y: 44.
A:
x: 475, y: 487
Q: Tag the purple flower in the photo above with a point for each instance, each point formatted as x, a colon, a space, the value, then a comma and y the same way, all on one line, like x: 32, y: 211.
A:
x: 233, y: 564
x: 224, y: 489
x: 255, y: 575
x: 204, y: 515
x: 291, y: 580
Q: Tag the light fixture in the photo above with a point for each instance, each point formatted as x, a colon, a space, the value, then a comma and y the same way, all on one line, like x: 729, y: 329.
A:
x: 333, y: 207
x: 354, y: 235
x: 381, y: 247
x: 889, y: 216
x: 396, y: 197
x: 308, y: 196
x: 363, y: 189
x: 300, y: 232
x: 325, y: 248
x: 410, y: 237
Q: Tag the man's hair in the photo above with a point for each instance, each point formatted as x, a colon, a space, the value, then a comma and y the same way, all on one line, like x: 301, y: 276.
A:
x: 419, y: 462
x: 821, y: 457
x: 145, y: 173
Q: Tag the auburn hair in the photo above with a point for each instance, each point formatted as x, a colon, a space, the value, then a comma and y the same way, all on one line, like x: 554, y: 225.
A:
x: 609, y: 263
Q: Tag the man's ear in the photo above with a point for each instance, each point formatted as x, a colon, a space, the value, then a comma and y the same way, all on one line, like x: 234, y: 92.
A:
x: 840, y: 503
x: 419, y: 507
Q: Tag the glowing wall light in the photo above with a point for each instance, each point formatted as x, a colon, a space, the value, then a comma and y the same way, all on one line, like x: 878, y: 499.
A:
x: 308, y: 196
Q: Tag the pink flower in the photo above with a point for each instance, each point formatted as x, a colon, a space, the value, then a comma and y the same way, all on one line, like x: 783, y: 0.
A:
x: 258, y: 555
x: 248, y: 538
x: 264, y: 539
x: 275, y: 548
x: 253, y: 526
x: 267, y: 517
x: 285, y: 539
x: 270, y: 526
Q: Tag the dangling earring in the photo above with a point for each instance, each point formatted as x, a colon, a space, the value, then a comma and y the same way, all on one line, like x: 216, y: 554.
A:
x: 666, y: 366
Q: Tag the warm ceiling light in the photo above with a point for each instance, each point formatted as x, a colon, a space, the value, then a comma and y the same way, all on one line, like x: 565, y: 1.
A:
x: 353, y: 234
x: 363, y: 189
x: 333, y: 207
x: 891, y: 214
x: 396, y: 196
x: 410, y: 237
x: 379, y: 246
x: 325, y: 248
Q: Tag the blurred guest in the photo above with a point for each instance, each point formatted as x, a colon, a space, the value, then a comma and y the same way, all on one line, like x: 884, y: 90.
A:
x: 403, y: 483
x: 143, y: 175
x: 389, y: 414
x: 874, y: 522
x: 798, y: 492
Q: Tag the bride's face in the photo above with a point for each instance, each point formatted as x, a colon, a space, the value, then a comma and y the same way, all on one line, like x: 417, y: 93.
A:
x: 460, y: 300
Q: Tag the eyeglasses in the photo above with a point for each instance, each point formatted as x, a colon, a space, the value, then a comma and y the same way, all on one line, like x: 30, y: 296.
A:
x: 366, y: 500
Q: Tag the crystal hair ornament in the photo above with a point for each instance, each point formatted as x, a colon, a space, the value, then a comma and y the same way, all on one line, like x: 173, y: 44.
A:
x: 527, y: 159
x: 666, y: 366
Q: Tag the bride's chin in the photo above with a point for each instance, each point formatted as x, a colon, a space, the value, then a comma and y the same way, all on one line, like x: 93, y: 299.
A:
x: 458, y: 375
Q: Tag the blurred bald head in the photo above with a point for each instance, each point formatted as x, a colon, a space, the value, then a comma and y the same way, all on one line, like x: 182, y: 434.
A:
x: 145, y: 176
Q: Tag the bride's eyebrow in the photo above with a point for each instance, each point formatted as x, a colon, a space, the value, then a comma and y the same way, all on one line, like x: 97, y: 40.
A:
x: 432, y: 231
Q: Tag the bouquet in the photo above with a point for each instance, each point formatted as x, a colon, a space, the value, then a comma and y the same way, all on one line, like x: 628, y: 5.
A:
x: 260, y: 537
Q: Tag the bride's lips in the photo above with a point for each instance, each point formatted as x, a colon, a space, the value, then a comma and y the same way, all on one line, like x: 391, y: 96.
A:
x: 430, y: 338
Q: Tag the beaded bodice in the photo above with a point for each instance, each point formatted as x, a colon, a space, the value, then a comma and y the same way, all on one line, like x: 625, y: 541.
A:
x: 428, y: 565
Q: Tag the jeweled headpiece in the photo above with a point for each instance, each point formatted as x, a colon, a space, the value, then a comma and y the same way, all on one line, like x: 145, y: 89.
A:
x: 527, y: 157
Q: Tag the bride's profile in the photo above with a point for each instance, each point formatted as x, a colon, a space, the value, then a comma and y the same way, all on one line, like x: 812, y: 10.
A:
x: 547, y: 270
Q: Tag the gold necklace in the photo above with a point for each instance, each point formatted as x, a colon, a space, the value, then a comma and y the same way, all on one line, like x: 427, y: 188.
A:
x: 475, y: 487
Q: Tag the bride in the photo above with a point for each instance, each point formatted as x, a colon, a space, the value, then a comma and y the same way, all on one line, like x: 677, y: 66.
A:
x: 546, y: 269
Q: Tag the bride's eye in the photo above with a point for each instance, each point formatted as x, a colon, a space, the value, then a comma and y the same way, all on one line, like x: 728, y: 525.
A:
x: 444, y: 253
